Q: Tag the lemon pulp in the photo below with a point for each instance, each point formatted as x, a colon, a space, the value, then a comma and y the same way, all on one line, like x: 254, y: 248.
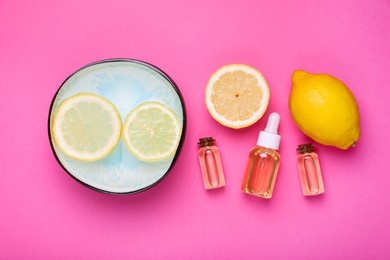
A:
x: 152, y: 132
x: 86, y: 127
x: 237, y: 95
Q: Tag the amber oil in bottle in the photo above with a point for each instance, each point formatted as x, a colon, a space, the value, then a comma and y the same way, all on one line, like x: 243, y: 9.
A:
x: 263, y: 162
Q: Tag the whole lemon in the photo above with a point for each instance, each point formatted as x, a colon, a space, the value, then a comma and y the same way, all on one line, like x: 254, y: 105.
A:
x: 324, y: 109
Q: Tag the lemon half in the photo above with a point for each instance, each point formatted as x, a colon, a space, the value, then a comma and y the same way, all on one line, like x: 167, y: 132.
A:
x: 237, y: 95
x: 152, y: 132
x: 86, y: 127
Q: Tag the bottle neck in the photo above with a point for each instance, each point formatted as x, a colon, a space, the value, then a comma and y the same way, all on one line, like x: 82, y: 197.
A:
x: 305, y: 148
x: 207, y: 141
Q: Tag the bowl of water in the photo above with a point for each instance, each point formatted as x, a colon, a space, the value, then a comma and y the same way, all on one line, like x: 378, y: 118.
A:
x: 126, y: 83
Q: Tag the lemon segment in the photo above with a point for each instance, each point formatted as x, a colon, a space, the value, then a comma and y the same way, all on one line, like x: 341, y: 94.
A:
x: 237, y: 95
x: 324, y: 109
x: 86, y: 127
x: 152, y: 132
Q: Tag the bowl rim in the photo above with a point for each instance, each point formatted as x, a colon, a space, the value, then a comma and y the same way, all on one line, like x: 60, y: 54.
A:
x: 182, y: 138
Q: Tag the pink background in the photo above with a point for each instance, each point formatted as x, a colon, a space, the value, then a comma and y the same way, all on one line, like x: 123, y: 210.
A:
x: 46, y: 214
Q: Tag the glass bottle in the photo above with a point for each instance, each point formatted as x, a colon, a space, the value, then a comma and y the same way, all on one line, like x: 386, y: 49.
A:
x: 309, y: 170
x: 210, y: 164
x: 263, y: 163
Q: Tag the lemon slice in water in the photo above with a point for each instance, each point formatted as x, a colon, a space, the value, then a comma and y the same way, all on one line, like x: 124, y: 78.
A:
x: 152, y: 132
x: 86, y: 127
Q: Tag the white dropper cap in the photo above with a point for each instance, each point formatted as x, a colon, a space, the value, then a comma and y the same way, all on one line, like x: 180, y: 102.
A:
x: 269, y: 138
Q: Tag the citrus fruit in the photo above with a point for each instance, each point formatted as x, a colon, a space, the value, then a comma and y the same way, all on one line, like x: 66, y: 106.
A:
x: 152, y: 132
x: 237, y: 95
x: 86, y: 127
x: 324, y: 109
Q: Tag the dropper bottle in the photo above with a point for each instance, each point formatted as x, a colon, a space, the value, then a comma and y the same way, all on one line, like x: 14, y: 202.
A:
x: 263, y: 163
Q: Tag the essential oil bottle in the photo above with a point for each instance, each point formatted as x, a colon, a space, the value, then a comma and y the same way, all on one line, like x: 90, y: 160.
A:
x: 210, y: 164
x: 263, y: 163
x: 309, y: 170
